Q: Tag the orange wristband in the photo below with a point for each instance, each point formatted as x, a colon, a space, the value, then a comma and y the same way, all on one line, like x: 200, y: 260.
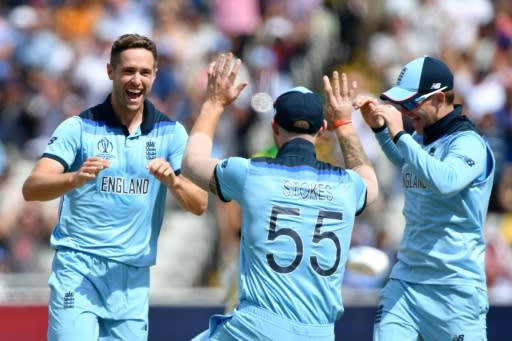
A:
x: 341, y: 122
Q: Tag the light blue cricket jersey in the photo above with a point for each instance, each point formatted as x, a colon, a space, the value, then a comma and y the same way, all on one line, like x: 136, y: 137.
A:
x: 119, y: 214
x: 447, y: 178
x: 297, y: 220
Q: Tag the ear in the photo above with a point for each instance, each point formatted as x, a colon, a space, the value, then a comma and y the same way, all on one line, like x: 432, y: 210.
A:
x: 275, y: 127
x: 110, y: 71
x: 439, y: 98
x: 322, y: 129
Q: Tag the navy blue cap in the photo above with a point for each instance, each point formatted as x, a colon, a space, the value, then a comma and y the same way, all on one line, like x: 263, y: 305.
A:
x: 420, y: 76
x: 299, y: 110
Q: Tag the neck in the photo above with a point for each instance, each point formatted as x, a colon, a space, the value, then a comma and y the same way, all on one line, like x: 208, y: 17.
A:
x: 133, y: 122
x: 130, y: 119
x: 282, y: 136
x: 444, y: 111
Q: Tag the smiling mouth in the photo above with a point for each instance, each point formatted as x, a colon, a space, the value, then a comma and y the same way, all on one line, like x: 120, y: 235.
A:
x: 133, y: 94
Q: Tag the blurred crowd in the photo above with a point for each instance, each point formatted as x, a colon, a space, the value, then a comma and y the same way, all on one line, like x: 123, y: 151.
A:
x: 53, y: 56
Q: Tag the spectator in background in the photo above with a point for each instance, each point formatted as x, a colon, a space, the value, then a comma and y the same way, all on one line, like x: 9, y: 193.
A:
x: 28, y: 238
x: 6, y: 215
x: 112, y: 165
x: 448, y: 172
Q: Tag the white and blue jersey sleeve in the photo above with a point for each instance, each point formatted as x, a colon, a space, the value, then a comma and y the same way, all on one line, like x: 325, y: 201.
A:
x: 65, y: 144
x: 177, y: 147
x: 231, y: 179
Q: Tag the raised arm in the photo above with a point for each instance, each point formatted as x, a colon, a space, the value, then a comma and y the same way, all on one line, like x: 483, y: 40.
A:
x: 338, y: 113
x: 198, y: 165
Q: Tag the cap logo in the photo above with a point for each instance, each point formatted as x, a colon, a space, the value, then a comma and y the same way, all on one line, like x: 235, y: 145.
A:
x: 401, y: 75
x: 435, y: 86
x: 301, y: 124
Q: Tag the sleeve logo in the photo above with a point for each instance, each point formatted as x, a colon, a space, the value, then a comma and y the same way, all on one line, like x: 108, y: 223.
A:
x: 469, y: 161
x: 53, y: 139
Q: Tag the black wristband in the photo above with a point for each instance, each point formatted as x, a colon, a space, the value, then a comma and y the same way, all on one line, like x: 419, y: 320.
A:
x: 397, y: 136
x: 379, y: 129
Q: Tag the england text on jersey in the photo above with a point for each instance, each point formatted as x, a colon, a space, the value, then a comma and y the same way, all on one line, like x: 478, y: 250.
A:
x: 121, y: 185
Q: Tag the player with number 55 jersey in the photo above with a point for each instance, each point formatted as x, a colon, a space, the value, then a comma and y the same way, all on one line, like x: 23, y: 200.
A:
x: 297, y: 212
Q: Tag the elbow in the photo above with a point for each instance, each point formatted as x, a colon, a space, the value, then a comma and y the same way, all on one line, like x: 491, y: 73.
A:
x: 446, y: 191
x: 372, y: 196
x: 372, y: 187
x: 200, y: 210
x: 372, y: 190
x: 201, y: 207
x: 28, y: 195
x: 446, y: 188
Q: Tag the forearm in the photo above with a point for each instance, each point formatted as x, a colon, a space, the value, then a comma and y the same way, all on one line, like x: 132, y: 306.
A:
x: 356, y: 159
x: 44, y: 186
x: 389, y: 147
x: 198, y: 165
x: 453, y: 172
x: 350, y: 144
x: 190, y: 197
x: 208, y: 118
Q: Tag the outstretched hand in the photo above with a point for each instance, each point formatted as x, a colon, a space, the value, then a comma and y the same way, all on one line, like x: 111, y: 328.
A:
x: 339, y: 98
x: 222, y: 74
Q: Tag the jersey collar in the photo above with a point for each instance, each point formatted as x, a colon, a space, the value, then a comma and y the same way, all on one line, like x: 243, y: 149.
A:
x: 111, y: 119
x: 452, y: 122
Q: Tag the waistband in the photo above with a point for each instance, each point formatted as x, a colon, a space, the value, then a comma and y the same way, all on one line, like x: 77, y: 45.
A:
x: 282, y: 323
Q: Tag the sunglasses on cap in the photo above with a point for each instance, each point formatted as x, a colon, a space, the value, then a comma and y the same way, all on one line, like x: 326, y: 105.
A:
x: 415, y: 102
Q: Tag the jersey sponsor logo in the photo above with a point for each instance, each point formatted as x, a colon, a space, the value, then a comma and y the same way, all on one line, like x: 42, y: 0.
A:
x: 412, y: 181
x: 458, y: 338
x: 307, y: 191
x: 120, y: 185
x: 150, y: 150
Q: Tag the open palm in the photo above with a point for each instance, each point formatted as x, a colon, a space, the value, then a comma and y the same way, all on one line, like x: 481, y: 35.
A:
x: 222, y: 74
x: 339, y: 97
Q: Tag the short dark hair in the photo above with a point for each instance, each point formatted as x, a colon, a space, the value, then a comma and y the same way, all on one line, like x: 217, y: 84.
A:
x: 450, y: 96
x: 131, y: 41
